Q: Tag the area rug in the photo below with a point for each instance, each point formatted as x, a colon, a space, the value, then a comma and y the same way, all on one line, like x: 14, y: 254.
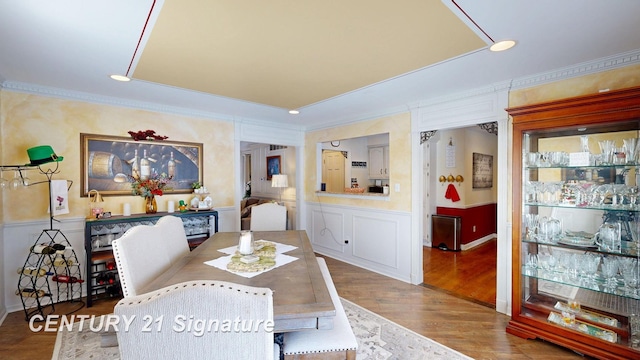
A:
x: 378, y: 339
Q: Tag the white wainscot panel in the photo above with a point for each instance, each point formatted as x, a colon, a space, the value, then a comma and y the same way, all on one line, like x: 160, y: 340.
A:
x: 376, y: 240
x: 18, y: 239
x: 327, y: 229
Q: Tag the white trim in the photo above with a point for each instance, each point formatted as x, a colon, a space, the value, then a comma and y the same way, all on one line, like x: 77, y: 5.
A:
x: 477, y: 242
x: 582, y: 69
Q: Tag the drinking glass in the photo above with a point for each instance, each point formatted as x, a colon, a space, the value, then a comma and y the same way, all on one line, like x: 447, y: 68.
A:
x: 630, y: 148
x: 609, y: 271
x: 16, y: 182
x: 584, y: 143
x: 531, y: 223
x: 606, y: 147
x: 4, y: 183
x: 631, y: 278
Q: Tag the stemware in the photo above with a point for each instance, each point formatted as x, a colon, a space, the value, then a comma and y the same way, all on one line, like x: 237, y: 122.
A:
x: 4, y: 183
x: 16, y: 182
x: 609, y: 271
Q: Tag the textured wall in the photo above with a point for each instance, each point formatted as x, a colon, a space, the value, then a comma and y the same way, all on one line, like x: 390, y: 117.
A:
x: 399, y: 129
x: 32, y: 120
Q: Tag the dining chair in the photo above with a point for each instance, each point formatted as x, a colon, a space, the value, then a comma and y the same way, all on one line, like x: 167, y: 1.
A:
x: 181, y: 322
x: 139, y: 258
x: 269, y: 217
x: 339, y: 342
x: 174, y: 237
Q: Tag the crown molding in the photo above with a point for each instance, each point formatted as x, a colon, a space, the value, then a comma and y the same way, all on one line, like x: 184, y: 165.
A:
x: 586, y: 68
x: 138, y: 105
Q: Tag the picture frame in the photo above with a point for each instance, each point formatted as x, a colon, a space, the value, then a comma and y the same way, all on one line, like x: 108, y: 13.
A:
x: 274, y: 166
x: 482, y: 171
x: 108, y: 163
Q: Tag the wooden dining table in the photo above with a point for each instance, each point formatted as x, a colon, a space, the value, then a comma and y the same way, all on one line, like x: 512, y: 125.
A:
x: 301, y: 299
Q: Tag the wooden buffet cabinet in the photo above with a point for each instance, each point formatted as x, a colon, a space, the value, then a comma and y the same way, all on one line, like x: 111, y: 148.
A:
x: 102, y: 275
x: 576, y: 217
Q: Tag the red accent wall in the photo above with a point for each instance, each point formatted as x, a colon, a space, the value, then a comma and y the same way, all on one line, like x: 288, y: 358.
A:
x: 484, y: 217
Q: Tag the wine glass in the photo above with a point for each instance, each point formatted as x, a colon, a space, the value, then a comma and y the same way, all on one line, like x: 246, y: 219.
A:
x: 16, y: 182
x: 609, y: 271
x: 4, y: 183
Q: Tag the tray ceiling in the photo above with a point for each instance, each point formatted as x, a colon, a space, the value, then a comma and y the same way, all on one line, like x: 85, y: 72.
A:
x: 290, y: 54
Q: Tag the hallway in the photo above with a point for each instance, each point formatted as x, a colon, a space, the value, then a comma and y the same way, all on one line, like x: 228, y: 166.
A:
x: 469, y: 274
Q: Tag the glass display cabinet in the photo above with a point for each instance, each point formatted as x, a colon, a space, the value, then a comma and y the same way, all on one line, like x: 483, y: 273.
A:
x: 576, y: 223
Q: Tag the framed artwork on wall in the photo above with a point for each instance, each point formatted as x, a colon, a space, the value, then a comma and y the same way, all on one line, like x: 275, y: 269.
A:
x: 274, y: 166
x: 482, y: 171
x: 108, y: 163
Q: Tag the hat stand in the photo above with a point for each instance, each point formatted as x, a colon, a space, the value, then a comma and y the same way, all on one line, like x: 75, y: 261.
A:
x: 51, y: 258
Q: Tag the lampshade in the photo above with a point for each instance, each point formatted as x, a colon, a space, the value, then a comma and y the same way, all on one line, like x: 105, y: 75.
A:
x: 279, y: 181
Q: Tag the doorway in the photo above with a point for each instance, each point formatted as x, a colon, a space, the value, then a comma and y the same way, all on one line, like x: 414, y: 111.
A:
x: 472, y: 272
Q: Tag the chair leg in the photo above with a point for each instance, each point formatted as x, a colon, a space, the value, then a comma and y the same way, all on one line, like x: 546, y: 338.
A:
x: 278, y: 338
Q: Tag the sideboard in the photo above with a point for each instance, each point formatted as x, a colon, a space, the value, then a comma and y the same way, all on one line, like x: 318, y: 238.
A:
x: 102, y: 274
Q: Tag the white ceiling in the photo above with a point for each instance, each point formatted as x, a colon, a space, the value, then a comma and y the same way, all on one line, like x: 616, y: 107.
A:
x: 69, y: 47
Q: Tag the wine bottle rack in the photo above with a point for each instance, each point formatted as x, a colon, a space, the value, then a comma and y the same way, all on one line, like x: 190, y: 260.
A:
x: 51, y: 259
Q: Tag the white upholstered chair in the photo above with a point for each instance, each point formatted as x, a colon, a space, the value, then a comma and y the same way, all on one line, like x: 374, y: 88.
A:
x: 174, y: 239
x: 269, y: 217
x: 337, y: 343
x: 145, y: 251
x: 193, y: 316
x: 139, y: 258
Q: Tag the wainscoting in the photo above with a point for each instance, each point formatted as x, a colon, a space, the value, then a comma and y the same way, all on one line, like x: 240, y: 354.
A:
x: 19, y: 237
x: 376, y: 240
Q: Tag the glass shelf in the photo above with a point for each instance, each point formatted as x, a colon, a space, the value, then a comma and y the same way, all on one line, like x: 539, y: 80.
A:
x: 597, y: 283
x: 618, y: 208
x: 629, y: 249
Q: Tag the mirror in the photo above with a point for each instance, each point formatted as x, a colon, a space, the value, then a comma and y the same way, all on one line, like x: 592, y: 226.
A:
x: 356, y: 165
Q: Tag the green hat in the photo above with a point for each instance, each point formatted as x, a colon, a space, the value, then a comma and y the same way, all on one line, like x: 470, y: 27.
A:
x: 41, y: 155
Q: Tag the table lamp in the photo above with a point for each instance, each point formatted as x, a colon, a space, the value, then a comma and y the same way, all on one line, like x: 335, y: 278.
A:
x: 279, y: 181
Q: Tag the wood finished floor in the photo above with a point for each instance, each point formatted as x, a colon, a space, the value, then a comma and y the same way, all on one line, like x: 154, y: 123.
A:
x: 467, y: 327
x: 470, y: 274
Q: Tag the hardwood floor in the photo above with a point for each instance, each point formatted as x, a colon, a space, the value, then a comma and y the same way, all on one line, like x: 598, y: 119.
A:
x: 469, y: 274
x: 467, y: 327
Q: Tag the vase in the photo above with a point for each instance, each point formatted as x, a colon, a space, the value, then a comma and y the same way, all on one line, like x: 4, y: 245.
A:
x: 151, y: 207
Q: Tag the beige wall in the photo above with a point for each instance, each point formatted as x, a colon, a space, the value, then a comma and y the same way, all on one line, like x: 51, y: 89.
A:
x: 399, y: 129
x: 466, y: 142
x: 590, y: 84
x: 31, y: 120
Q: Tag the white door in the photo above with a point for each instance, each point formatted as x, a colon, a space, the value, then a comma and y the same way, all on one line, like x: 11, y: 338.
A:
x: 333, y: 170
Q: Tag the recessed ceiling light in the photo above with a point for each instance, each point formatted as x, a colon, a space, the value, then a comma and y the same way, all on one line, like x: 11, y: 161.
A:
x: 294, y: 112
x: 502, y: 45
x: 119, y: 78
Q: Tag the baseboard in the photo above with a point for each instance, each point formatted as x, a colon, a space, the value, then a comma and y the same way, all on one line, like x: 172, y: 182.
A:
x: 3, y: 315
x: 477, y: 242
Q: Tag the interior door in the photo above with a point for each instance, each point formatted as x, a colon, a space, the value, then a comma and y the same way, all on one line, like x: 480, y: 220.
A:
x: 333, y: 172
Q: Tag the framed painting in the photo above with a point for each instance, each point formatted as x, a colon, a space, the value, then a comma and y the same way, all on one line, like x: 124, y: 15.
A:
x: 109, y: 163
x: 274, y: 166
x: 482, y: 171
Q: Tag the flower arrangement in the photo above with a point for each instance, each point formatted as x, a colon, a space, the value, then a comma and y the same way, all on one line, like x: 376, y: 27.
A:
x: 155, y: 185
x: 146, y: 135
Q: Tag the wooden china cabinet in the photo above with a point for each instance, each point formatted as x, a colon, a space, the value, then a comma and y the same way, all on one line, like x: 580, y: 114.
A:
x: 576, y: 223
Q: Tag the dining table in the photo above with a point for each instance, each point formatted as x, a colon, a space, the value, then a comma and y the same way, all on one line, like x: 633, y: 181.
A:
x: 301, y: 299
